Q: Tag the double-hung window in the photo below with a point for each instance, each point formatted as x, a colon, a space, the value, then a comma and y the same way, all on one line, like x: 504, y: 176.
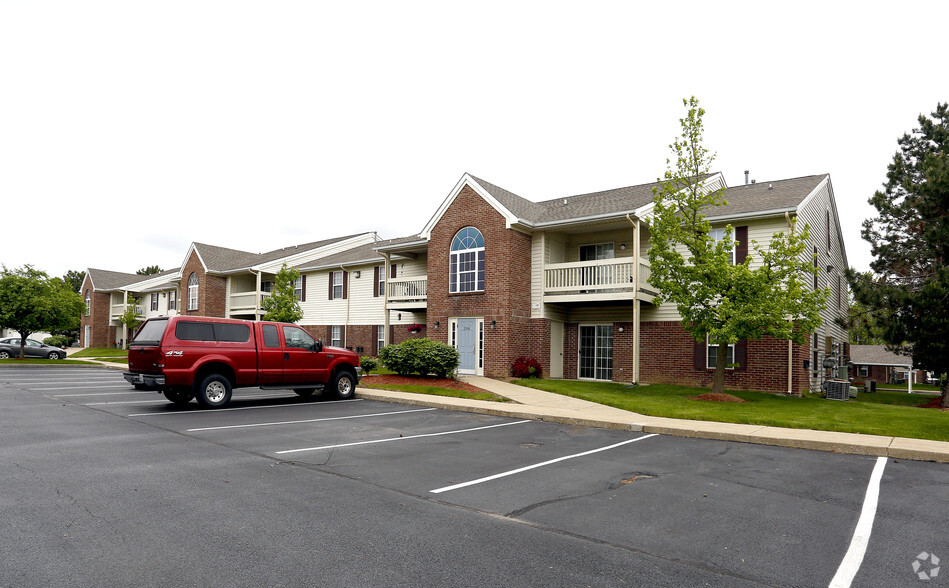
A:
x: 380, y: 336
x: 381, y: 284
x: 717, y: 235
x: 337, y: 285
x: 466, y: 262
x: 337, y: 336
x: 154, y: 301
x: 172, y: 300
x: 712, y: 358
x: 193, y: 292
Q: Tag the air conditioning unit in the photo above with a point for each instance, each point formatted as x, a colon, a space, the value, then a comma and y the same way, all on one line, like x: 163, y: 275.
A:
x: 870, y: 386
x: 838, y: 390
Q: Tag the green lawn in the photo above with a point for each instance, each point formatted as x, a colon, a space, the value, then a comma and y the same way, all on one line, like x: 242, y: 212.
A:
x: 883, y: 413
x: 435, y: 391
x: 100, y: 352
x: 905, y: 387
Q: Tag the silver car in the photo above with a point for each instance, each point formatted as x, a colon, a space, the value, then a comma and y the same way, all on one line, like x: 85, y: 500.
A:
x: 10, y: 347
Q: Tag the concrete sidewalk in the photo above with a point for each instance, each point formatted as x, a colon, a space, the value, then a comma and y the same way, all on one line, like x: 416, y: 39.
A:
x: 546, y: 406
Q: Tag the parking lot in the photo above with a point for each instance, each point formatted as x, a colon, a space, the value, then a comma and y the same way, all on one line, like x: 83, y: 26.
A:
x: 103, y: 484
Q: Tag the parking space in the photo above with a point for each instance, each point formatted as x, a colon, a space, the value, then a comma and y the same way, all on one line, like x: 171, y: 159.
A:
x: 727, y: 512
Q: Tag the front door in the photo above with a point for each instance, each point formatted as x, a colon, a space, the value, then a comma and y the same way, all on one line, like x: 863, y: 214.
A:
x: 468, y: 345
x: 556, y: 349
x: 85, y: 340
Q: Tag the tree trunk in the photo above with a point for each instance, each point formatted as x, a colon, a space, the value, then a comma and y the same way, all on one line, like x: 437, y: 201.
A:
x: 718, y: 380
x: 23, y: 337
x: 945, y: 392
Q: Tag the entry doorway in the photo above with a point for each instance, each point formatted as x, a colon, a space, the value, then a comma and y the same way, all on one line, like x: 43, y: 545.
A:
x: 467, y: 336
x: 595, y: 350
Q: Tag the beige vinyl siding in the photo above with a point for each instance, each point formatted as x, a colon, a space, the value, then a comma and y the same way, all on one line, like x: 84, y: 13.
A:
x: 296, y: 258
x: 813, y: 213
x: 601, y: 314
x: 538, y: 257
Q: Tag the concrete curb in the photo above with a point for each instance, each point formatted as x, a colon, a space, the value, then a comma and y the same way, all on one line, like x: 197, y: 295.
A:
x: 845, y: 443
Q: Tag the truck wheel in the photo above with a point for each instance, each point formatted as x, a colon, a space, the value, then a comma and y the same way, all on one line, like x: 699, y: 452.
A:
x: 214, y: 391
x: 304, y: 392
x: 344, y: 385
x: 179, y: 397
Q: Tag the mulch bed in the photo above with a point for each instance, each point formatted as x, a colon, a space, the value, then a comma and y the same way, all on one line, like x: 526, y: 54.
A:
x: 393, y: 380
x: 934, y: 403
x: 718, y: 397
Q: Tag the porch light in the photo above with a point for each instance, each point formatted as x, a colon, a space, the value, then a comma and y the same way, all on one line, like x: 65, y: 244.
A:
x: 437, y: 324
x: 622, y: 246
x: 493, y: 323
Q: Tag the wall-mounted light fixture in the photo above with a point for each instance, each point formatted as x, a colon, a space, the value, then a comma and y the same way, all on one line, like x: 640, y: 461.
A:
x: 437, y: 324
x: 622, y: 246
x: 399, y: 316
x: 493, y: 324
x: 621, y: 329
x: 830, y: 268
x: 356, y: 273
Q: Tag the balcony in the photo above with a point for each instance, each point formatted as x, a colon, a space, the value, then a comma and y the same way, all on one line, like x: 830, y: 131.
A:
x: 119, y: 309
x: 599, y: 280
x: 407, y: 293
x: 246, y: 302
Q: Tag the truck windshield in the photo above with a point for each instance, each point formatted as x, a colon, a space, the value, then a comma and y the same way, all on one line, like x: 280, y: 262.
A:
x: 151, y: 332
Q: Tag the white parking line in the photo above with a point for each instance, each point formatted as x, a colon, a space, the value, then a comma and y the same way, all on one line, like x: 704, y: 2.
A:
x: 79, y: 388
x: 145, y: 414
x: 399, y: 438
x: 861, y: 534
x: 539, y: 465
x: 342, y: 418
x: 130, y: 391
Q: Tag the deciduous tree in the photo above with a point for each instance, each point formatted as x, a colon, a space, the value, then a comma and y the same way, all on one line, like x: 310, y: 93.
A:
x: 147, y: 271
x: 31, y: 301
x: 716, y: 298
x: 282, y: 304
x: 909, y: 239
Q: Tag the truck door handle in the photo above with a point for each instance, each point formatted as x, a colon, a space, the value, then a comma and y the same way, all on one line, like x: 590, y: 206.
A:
x: 286, y: 355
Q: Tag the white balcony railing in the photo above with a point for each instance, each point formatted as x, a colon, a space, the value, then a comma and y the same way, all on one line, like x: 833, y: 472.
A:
x: 247, y: 300
x: 119, y: 309
x: 602, y: 276
x: 407, y: 289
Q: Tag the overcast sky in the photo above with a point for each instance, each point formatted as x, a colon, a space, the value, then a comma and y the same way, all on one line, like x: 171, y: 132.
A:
x: 130, y: 129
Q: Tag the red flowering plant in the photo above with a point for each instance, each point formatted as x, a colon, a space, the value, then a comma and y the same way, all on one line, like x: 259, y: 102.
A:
x: 416, y: 328
x: 526, y: 367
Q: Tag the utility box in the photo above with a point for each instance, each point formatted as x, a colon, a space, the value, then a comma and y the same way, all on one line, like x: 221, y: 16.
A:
x: 870, y: 386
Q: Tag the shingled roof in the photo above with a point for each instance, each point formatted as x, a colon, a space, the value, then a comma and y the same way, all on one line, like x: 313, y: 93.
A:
x: 222, y: 259
x: 747, y: 199
x: 877, y: 355
x: 105, y: 280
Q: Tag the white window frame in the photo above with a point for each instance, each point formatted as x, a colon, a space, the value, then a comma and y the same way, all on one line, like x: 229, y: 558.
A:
x: 88, y: 303
x: 710, y: 346
x: 381, y: 284
x: 717, y: 235
x: 298, y: 289
x: 596, y: 350
x: 337, y: 283
x: 154, y: 301
x: 864, y: 371
x: 172, y: 300
x: 336, y: 335
x: 193, y: 291
x: 455, y: 258
x: 380, y: 337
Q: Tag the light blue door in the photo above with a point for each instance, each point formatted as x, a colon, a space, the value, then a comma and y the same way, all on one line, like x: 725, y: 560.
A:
x: 467, y: 345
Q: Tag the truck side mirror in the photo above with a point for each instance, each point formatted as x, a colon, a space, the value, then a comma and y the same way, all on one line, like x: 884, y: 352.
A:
x: 318, y: 346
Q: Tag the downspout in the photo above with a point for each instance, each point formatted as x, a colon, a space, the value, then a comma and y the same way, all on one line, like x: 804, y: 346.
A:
x: 636, y: 301
x: 348, y: 298
x: 385, y: 300
x: 790, y: 392
x: 257, y: 296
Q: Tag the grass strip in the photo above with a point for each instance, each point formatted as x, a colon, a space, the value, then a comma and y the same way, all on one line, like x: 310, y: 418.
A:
x: 436, y: 391
x: 99, y: 352
x: 884, y: 413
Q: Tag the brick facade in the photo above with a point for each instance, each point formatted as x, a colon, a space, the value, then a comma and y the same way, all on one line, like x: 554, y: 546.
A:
x: 212, y: 290
x: 505, y: 302
x: 668, y: 356
x: 100, y: 310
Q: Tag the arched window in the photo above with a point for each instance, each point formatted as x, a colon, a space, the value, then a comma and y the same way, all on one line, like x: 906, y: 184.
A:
x: 467, y: 261
x: 193, y: 292
x: 88, y: 303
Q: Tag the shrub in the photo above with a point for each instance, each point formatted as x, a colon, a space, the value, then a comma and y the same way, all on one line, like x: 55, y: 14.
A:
x: 526, y: 367
x: 368, y: 363
x: 58, y: 341
x: 420, y: 356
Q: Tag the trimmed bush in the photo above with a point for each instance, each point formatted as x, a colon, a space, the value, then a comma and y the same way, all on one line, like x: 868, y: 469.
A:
x: 526, y: 367
x: 368, y: 363
x: 58, y: 341
x: 420, y: 356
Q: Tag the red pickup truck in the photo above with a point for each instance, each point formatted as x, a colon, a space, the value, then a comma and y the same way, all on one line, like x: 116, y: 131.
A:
x: 187, y: 357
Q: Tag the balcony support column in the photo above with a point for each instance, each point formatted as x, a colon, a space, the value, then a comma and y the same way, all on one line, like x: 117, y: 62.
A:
x: 636, y: 301
x: 257, y: 296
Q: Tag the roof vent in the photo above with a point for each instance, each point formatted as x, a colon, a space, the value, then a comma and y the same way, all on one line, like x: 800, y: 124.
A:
x: 770, y: 186
x: 752, y: 181
x: 746, y: 177
x: 564, y: 201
